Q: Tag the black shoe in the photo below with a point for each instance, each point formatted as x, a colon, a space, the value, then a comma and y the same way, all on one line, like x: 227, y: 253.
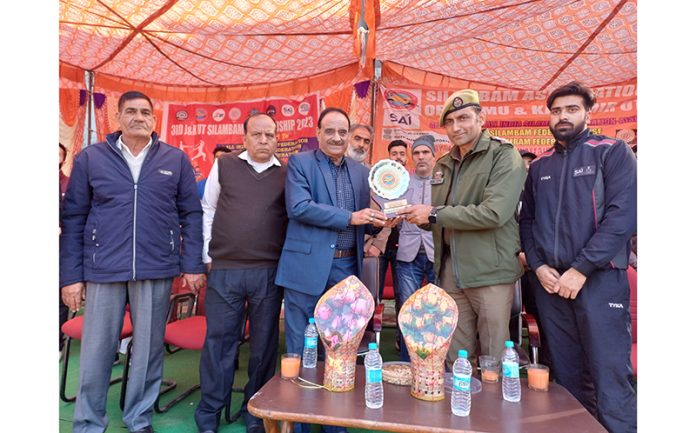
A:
x: 253, y: 424
x: 255, y: 428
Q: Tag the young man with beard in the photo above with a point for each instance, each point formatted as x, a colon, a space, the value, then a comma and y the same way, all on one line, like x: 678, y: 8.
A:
x: 577, y: 217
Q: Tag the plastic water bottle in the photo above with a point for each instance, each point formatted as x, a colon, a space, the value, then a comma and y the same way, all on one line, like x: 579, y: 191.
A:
x: 461, y: 385
x: 311, y: 338
x: 374, y: 392
x: 511, y: 373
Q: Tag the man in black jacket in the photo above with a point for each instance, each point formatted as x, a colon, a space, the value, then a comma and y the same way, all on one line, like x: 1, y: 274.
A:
x: 577, y: 217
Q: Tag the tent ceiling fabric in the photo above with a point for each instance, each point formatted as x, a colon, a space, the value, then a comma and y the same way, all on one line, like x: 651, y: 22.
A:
x: 533, y: 44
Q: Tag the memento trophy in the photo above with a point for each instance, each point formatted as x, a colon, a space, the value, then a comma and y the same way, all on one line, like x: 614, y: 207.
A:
x: 389, y: 179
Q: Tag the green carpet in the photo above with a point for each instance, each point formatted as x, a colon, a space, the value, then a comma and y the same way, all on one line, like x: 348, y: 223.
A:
x: 182, y: 367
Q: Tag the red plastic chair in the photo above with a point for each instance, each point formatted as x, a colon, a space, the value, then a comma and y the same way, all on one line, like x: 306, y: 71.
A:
x: 370, y: 278
x: 388, y: 292
x: 73, y: 331
x: 633, y: 284
x: 186, y: 330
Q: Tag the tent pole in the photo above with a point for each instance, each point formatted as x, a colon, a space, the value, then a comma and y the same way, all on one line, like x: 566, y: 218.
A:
x: 376, y: 76
x: 90, y: 105
x: 373, y: 102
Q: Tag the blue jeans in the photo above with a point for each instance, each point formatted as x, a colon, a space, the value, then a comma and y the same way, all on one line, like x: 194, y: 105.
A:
x: 410, y: 276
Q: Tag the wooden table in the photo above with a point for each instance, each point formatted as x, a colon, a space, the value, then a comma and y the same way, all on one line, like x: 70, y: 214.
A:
x: 555, y: 411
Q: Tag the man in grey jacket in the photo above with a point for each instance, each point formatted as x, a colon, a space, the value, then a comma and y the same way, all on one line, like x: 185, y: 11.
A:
x: 415, y: 255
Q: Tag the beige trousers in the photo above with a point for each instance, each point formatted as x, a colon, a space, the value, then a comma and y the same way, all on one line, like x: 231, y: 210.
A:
x: 482, y: 310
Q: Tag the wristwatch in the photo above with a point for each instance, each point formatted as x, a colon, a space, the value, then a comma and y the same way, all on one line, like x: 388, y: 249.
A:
x: 432, y: 218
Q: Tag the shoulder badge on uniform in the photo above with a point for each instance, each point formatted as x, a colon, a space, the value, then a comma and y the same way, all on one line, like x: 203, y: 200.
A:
x: 437, y: 179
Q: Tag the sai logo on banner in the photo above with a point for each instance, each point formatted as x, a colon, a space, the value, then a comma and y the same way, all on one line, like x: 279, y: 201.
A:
x: 402, y: 108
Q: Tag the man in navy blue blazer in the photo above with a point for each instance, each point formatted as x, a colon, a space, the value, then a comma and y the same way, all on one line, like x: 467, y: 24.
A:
x: 328, y: 202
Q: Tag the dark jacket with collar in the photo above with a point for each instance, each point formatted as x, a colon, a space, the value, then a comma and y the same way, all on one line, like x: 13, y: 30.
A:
x: 477, y: 195
x: 579, y: 205
x: 113, y: 229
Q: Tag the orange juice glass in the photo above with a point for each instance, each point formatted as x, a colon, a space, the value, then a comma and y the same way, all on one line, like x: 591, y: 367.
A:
x: 489, y: 376
x: 490, y: 368
x: 538, y: 377
x: 290, y: 365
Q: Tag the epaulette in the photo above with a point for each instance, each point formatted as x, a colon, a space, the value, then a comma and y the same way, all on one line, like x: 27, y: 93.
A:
x: 501, y: 141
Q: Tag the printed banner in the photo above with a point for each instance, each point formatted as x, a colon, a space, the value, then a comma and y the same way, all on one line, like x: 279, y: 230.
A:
x: 198, y: 128
x: 518, y: 116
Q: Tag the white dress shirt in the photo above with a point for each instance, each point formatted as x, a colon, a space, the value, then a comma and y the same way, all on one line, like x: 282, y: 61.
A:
x: 135, y: 163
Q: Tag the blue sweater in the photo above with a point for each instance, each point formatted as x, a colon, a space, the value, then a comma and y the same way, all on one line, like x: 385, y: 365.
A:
x: 113, y: 229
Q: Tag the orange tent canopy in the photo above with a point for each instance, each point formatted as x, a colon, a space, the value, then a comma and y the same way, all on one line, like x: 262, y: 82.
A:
x: 210, y: 50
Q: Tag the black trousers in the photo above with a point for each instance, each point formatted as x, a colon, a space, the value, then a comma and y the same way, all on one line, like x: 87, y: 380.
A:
x: 227, y: 292
x: 589, y: 341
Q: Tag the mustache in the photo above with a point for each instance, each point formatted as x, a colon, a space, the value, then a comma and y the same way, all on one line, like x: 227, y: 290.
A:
x: 564, y: 123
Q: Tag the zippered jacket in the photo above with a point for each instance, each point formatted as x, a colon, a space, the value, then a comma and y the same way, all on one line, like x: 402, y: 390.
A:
x: 114, y: 230
x: 579, y: 205
x: 476, y: 200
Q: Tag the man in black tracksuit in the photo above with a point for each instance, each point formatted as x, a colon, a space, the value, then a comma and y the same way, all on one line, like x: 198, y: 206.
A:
x: 577, y: 218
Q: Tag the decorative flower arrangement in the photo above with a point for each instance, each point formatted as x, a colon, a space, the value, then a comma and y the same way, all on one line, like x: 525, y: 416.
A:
x: 341, y: 316
x: 345, y: 311
x: 427, y: 320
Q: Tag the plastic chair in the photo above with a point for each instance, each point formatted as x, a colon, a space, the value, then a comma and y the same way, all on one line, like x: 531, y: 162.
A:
x: 370, y: 278
x: 388, y: 292
x: 73, y: 330
x: 186, y: 330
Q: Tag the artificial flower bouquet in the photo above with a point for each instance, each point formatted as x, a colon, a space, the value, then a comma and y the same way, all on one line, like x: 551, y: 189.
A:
x: 341, y: 316
x: 427, y: 321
